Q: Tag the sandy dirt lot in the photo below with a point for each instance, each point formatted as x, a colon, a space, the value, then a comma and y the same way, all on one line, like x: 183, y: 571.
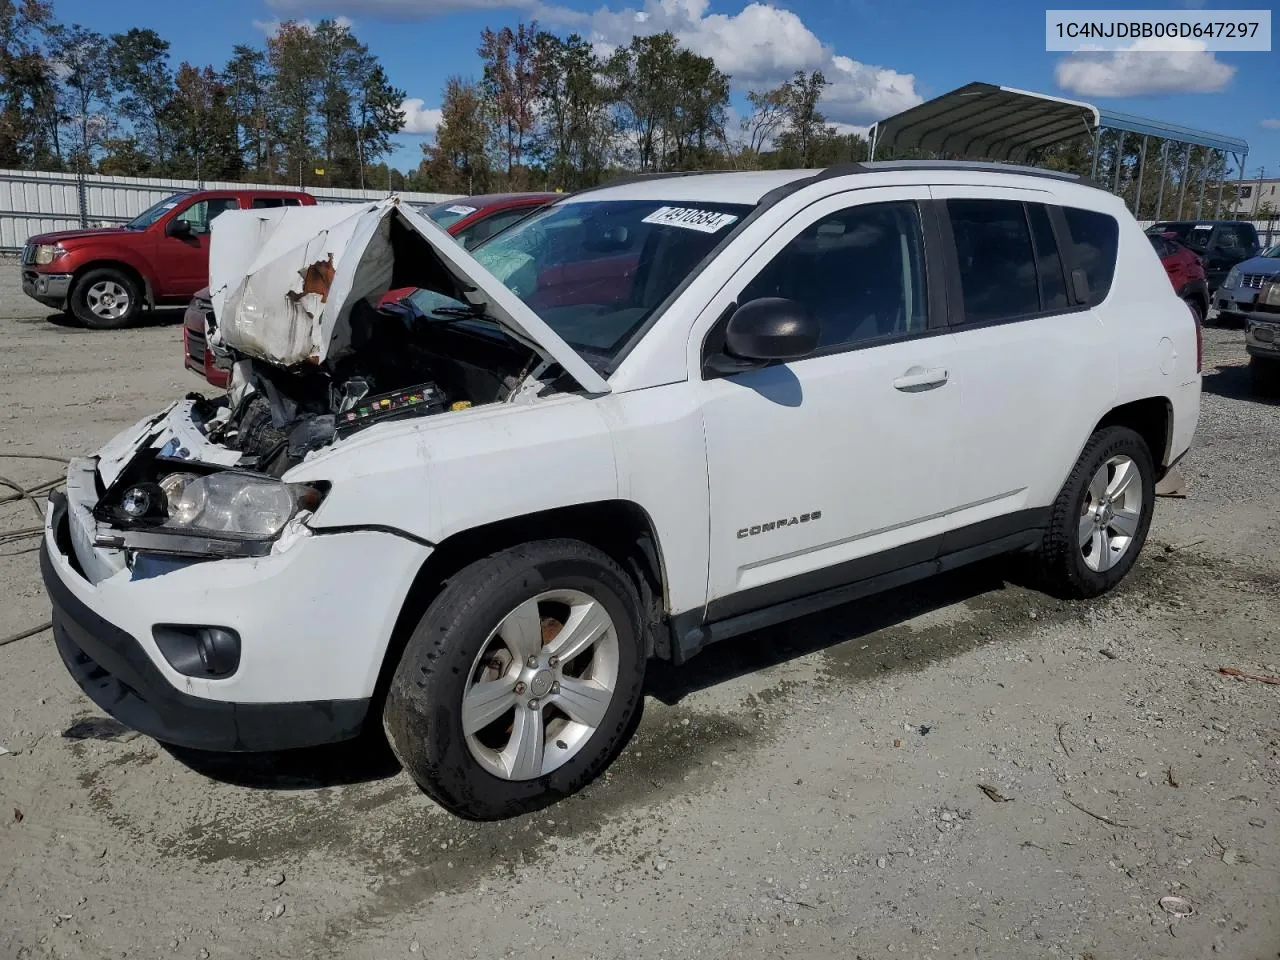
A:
x: 809, y: 791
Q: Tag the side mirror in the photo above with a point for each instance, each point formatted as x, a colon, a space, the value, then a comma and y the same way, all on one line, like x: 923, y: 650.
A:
x: 771, y: 328
x: 178, y: 228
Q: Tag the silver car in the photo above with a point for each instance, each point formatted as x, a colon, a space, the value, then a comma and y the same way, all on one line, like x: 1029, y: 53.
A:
x: 1236, y: 298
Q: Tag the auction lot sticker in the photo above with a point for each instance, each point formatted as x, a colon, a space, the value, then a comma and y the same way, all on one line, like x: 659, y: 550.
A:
x: 704, y: 221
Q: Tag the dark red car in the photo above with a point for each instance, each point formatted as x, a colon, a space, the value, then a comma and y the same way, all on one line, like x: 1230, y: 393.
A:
x: 470, y: 220
x: 105, y: 276
x: 1186, y: 272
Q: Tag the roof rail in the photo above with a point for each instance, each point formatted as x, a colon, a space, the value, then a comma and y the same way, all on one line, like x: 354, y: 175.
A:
x: 664, y: 175
x: 990, y: 166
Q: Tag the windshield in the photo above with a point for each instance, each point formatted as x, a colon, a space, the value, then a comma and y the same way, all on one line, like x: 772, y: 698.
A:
x: 1271, y: 253
x: 153, y: 213
x: 595, y: 271
x: 1193, y: 235
x: 449, y: 212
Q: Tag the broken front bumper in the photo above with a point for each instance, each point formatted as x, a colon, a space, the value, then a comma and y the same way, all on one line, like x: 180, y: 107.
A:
x: 313, y: 621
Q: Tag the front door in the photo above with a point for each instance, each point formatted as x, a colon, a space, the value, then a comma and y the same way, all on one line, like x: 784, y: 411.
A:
x: 840, y: 465
x: 182, y: 261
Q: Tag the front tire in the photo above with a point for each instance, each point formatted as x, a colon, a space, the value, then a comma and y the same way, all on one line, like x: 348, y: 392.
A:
x: 106, y: 299
x: 521, y: 681
x: 1100, y: 520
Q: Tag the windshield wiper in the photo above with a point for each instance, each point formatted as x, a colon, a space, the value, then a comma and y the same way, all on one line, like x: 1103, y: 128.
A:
x: 458, y: 314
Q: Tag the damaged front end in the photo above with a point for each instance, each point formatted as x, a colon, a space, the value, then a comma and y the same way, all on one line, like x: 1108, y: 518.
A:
x: 318, y: 351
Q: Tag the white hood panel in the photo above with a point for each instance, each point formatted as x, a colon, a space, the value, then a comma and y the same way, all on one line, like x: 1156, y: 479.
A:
x: 283, y: 281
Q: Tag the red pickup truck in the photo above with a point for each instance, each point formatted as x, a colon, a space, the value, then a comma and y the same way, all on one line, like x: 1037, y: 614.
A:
x: 105, y: 276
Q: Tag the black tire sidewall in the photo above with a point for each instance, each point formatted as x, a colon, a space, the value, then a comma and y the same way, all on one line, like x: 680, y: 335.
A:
x: 1106, y: 444
x: 422, y: 716
x: 80, y: 307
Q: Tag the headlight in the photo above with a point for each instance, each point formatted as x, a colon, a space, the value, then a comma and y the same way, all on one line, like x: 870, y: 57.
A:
x: 1233, y: 279
x: 234, y: 503
x: 46, y: 253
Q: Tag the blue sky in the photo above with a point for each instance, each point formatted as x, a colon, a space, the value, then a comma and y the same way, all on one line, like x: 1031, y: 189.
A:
x: 881, y: 57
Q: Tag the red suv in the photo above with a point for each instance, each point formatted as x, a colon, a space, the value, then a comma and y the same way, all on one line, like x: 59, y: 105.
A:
x: 1186, y: 272
x: 469, y: 220
x: 105, y: 276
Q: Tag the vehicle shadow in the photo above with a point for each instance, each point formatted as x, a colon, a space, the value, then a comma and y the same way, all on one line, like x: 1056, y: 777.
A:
x: 159, y: 317
x: 369, y: 758
x: 1235, y: 382
x: 738, y: 656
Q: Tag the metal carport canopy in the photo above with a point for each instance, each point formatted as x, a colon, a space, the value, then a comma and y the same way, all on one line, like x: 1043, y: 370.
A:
x: 1112, y: 120
x: 985, y: 120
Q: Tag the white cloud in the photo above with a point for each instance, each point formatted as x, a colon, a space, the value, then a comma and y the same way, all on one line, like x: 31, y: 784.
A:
x: 1142, y: 71
x: 419, y: 119
x: 272, y: 27
x: 1271, y: 123
x: 760, y: 45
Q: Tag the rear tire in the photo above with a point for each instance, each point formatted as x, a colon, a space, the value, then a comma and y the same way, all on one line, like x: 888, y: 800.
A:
x: 106, y: 299
x: 1100, y: 520
x: 491, y: 637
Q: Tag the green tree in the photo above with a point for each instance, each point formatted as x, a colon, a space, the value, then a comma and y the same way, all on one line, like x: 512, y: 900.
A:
x: 28, y: 89
x: 576, y: 127
x: 207, y: 146
x: 80, y: 57
x: 295, y: 81
x: 248, y: 84
x: 140, y: 74
x: 510, y: 87
x: 458, y: 161
x: 805, y: 124
x: 378, y: 113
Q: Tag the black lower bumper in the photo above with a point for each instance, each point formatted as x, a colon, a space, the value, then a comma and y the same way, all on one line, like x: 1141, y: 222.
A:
x: 115, y: 673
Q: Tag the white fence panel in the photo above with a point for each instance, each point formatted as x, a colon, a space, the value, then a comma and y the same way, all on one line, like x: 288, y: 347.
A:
x: 32, y: 203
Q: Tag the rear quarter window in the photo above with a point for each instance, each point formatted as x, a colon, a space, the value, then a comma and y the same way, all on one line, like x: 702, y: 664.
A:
x: 1094, y: 241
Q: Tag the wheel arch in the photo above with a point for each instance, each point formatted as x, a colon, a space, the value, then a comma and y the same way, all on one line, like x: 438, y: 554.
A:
x: 621, y: 528
x: 1152, y: 419
x: 107, y: 263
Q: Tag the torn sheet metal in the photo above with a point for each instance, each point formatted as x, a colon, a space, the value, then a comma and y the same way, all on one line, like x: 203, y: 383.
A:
x: 283, y: 281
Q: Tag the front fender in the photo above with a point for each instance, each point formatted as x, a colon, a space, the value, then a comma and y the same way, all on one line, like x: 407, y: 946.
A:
x: 452, y: 472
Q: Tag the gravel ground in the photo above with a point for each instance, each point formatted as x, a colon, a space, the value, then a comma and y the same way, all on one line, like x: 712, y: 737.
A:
x: 812, y: 791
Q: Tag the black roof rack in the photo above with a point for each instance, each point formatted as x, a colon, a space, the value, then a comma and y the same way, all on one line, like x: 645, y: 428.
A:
x: 875, y: 166
x: 978, y: 166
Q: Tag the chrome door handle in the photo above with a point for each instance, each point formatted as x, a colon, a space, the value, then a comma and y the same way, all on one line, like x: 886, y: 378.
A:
x: 919, y: 378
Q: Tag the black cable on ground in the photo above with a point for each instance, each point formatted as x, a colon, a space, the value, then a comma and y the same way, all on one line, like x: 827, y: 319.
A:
x: 22, y: 533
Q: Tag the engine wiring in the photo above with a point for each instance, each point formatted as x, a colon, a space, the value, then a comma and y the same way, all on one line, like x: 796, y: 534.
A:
x: 18, y: 535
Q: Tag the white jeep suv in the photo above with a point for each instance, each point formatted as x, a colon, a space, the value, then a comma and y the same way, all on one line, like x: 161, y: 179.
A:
x: 653, y: 416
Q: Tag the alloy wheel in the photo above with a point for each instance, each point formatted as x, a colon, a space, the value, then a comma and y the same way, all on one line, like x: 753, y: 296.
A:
x: 541, y: 685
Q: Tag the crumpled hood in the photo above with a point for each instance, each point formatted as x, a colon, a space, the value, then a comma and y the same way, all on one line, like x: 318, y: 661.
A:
x: 283, y: 281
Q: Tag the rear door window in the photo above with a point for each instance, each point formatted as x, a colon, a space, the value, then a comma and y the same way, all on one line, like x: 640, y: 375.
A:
x: 1094, y: 240
x: 997, y: 261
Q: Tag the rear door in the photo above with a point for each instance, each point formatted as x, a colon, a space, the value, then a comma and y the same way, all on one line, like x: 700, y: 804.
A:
x: 1024, y: 350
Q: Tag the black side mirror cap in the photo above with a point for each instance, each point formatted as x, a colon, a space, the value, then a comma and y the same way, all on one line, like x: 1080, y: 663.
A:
x: 771, y: 328
x: 178, y: 228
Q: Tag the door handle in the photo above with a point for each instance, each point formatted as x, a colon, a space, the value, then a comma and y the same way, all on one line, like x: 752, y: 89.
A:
x: 920, y: 378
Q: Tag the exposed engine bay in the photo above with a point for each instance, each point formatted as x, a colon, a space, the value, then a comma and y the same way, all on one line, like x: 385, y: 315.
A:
x: 404, y: 363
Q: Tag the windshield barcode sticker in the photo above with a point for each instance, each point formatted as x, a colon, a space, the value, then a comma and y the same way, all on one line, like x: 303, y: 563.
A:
x: 459, y: 208
x: 704, y: 221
